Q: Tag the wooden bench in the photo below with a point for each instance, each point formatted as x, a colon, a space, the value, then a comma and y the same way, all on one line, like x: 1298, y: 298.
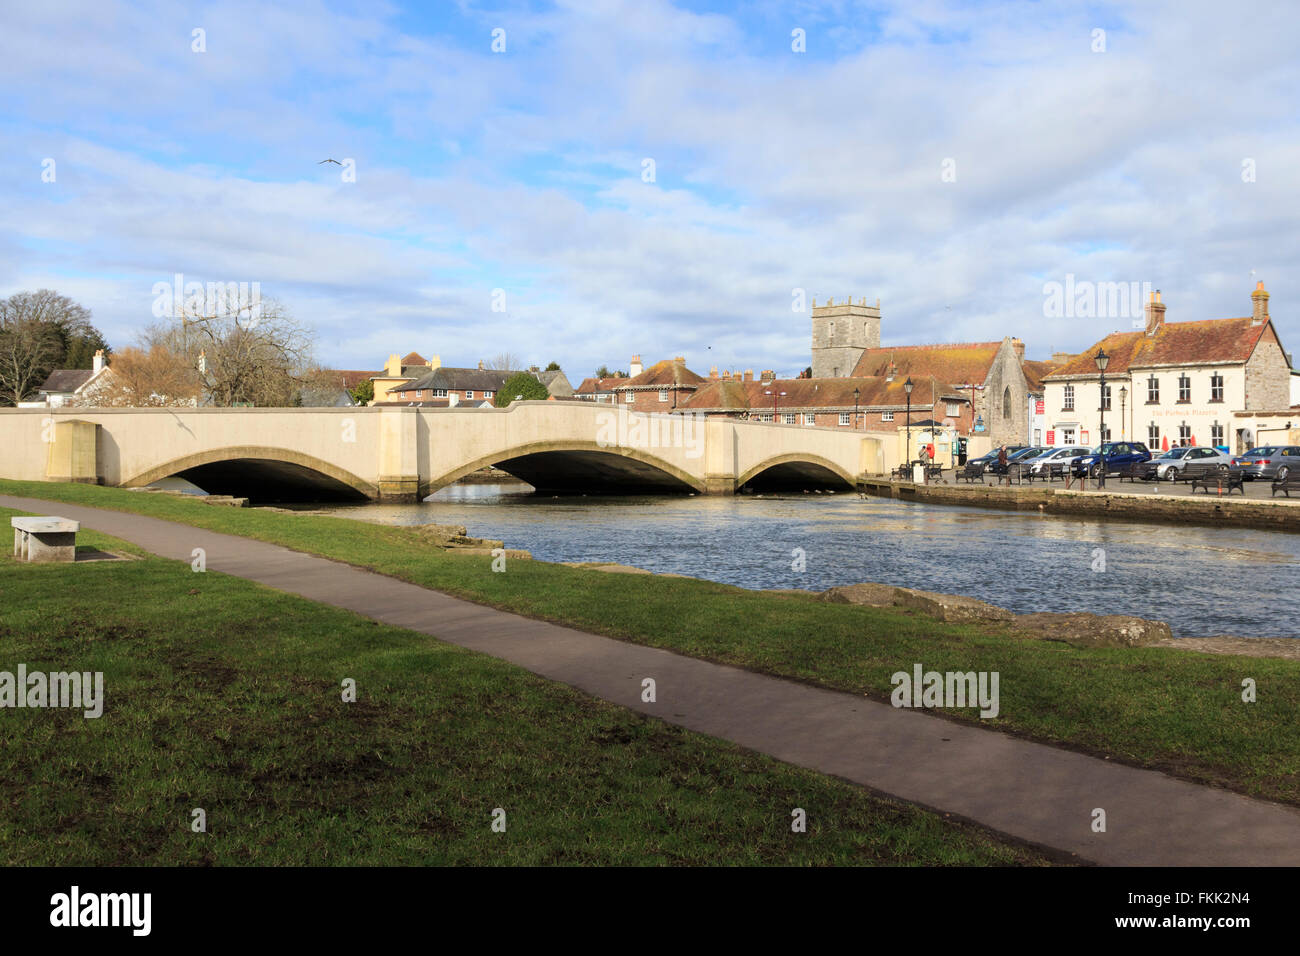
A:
x: 1284, y: 485
x: 44, y: 540
x: 1221, y: 478
x: 970, y: 471
x: 1135, y: 471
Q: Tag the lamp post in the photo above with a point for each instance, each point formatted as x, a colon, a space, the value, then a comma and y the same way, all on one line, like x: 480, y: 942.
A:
x: 1102, y: 360
x: 907, y: 388
x: 774, y: 393
x: 1123, y: 419
x: 856, y: 393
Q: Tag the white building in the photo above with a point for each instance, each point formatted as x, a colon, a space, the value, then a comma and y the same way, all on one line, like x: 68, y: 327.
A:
x: 1178, y: 383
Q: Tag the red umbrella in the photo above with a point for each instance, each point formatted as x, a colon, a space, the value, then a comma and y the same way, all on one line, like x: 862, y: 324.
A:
x: 1193, y: 441
x: 1164, y: 443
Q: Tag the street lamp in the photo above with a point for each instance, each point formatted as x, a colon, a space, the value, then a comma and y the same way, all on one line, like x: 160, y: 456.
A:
x: 855, y: 409
x: 774, y: 393
x: 907, y: 388
x: 1102, y: 360
x: 1123, y: 420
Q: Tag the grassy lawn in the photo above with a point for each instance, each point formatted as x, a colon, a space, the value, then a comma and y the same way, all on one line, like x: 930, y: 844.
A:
x: 226, y: 695
x: 1177, y: 711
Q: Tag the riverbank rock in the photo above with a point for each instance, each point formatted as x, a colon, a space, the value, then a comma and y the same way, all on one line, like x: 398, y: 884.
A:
x: 1287, y: 648
x: 516, y: 554
x: 614, y: 567
x: 950, y: 607
x: 943, y: 607
x: 868, y: 593
x: 452, y: 536
x: 1093, y: 630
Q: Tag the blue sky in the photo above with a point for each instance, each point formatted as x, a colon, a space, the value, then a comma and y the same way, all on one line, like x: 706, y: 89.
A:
x: 775, y: 170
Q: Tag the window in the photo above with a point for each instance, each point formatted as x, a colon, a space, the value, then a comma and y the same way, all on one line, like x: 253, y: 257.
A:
x: 1067, y: 434
x: 1216, y: 387
x: 953, y: 409
x: 627, y: 397
x: 1105, y: 433
x: 790, y: 418
x: 1067, y: 404
x: 1153, y: 435
x: 1216, y: 434
x: 809, y: 418
x: 1184, y: 389
x: 663, y: 394
x: 832, y: 333
x: 469, y: 393
x: 1006, y: 402
x: 439, y: 393
x: 1153, y: 391
x: 886, y: 416
x: 1105, y: 398
x: 1184, y: 434
x: 488, y: 394
x: 403, y: 395
x: 844, y: 418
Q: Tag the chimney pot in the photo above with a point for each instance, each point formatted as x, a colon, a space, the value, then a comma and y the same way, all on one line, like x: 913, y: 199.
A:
x: 1155, y: 313
x: 1259, y: 305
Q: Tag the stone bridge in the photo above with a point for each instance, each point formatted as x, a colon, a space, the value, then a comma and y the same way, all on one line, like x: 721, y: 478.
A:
x: 405, y: 454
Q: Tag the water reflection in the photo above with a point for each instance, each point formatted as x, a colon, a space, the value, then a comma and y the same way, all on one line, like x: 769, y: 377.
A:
x: 1203, y: 581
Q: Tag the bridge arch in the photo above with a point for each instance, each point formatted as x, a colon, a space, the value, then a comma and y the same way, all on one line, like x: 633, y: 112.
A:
x: 579, y: 466
x: 260, y: 471
x: 797, y: 470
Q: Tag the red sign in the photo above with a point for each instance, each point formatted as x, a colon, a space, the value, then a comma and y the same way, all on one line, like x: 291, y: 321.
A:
x: 1051, y: 435
x: 1083, y: 436
x: 1038, y: 407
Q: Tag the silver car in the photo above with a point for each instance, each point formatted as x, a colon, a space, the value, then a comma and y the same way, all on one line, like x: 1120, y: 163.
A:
x: 1268, y: 461
x: 1053, y: 462
x: 1171, y: 464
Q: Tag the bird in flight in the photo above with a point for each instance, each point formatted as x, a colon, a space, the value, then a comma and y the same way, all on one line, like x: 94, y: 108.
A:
x: 334, y: 161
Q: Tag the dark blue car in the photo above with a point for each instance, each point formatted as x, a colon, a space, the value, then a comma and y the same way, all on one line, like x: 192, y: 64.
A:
x: 1113, y: 457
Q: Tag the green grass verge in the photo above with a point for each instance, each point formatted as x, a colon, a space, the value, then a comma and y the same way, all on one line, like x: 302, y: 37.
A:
x: 226, y: 695
x: 1172, y: 710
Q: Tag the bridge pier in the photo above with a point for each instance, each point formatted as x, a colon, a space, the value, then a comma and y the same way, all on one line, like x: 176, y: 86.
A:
x: 399, y: 465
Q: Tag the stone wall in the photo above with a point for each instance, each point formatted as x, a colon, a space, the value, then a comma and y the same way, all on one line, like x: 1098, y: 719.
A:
x: 1006, y: 385
x: 1268, y: 377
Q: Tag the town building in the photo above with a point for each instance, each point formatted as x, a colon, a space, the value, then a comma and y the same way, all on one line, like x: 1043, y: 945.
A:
x: 599, y: 389
x: 71, y: 386
x: 415, y: 379
x: 1220, y: 382
x: 660, y: 388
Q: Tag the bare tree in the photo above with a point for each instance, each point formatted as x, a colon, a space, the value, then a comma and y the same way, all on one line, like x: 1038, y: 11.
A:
x: 36, y: 330
x: 505, y: 362
x: 250, y: 356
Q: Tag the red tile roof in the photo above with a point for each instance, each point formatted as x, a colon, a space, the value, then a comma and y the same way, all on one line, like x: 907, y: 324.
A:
x: 1174, y: 343
x: 807, y: 393
x: 415, y: 358
x: 966, y: 363
x: 590, y: 386
x: 662, y: 374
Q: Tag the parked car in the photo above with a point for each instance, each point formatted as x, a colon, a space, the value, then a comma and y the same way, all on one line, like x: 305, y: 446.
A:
x: 1015, y: 453
x: 1052, y: 462
x: 1110, y: 458
x: 1169, y: 465
x: 1268, y: 462
x: 991, y: 457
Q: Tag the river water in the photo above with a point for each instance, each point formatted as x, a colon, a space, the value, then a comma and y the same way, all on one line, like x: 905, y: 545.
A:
x: 1203, y: 581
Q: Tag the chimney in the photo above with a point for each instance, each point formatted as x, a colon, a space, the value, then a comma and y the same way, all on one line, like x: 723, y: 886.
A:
x: 749, y: 375
x: 98, y: 362
x: 634, y: 369
x: 435, y: 362
x: 480, y: 365
x: 1060, y: 358
x: 767, y: 375
x: 726, y: 376
x: 713, y: 372
x: 1155, y: 313
x: 393, y: 367
x: 1259, y: 301
x: 1019, y: 346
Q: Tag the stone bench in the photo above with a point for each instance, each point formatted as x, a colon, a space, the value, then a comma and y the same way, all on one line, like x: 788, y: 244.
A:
x: 45, y: 539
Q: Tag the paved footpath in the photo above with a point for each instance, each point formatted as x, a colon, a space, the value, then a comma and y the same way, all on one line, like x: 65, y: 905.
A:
x: 1034, y: 792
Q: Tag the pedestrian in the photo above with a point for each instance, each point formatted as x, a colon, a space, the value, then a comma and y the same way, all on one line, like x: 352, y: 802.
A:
x: 1002, y: 465
x: 925, y: 463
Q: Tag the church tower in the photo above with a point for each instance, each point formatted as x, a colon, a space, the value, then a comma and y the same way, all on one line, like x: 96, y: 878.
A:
x: 840, y: 334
